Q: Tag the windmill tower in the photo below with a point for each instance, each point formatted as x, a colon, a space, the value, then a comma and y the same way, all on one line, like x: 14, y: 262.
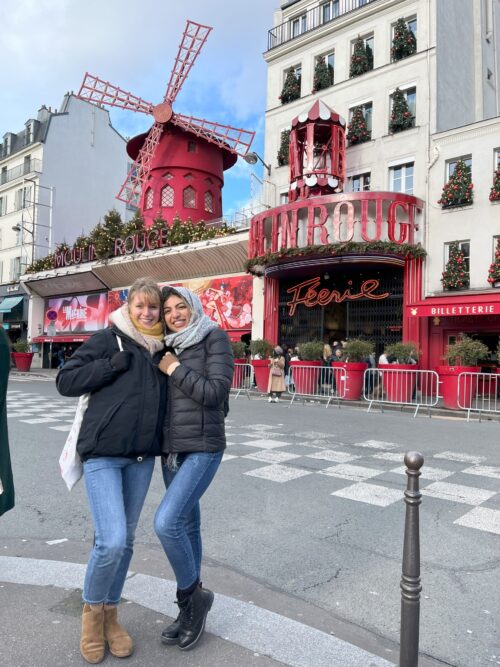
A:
x: 179, y: 164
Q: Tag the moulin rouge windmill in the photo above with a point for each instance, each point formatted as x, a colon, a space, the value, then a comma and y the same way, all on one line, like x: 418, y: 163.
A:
x: 178, y: 165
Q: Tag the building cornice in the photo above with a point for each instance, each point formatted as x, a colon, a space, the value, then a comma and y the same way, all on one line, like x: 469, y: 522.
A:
x: 478, y: 129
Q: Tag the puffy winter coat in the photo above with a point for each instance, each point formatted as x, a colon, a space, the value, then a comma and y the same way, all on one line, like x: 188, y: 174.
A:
x: 198, y: 395
x: 126, y: 410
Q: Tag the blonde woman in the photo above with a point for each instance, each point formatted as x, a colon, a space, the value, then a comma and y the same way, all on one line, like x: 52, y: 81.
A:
x: 118, y: 441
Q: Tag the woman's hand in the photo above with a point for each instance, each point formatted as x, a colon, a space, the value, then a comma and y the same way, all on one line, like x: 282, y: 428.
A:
x: 169, y: 363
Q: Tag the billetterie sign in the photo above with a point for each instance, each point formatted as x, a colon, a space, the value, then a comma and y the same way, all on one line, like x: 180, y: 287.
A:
x: 140, y: 242
x: 354, y: 216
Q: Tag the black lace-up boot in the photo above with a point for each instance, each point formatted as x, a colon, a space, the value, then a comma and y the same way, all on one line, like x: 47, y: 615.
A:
x: 193, y: 617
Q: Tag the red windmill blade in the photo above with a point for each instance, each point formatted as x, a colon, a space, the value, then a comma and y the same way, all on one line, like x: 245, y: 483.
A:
x: 100, y: 92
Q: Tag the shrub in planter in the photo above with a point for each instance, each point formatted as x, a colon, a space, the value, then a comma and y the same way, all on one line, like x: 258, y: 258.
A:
x: 22, y: 355
x: 238, y: 348
x: 399, y: 386
x: 354, y: 355
x: 263, y: 349
x: 305, y: 378
x: 462, y: 357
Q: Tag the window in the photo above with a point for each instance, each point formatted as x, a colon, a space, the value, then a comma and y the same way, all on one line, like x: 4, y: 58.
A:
x: 1, y: 242
x: 189, y: 177
x: 27, y: 164
x: 283, y: 198
x: 3, y: 176
x: 167, y: 196
x: 496, y: 159
x: 464, y: 247
x: 191, y: 146
x: 298, y: 25
x: 412, y: 25
x: 22, y: 198
x: 367, y: 109
x: 29, y: 133
x: 7, y: 144
x: 167, y: 176
x: 410, y: 95
x: 1, y: 272
x: 189, y: 197
x: 329, y: 60
x: 15, y: 268
x: 401, y: 178
x: 359, y: 182
x: 329, y: 10
x: 297, y: 70
x: 148, y: 199
x: 451, y: 164
x: 208, y: 200
x: 3, y: 206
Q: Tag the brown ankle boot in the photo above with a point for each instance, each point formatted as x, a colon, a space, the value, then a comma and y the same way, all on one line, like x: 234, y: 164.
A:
x: 119, y: 641
x: 92, y: 644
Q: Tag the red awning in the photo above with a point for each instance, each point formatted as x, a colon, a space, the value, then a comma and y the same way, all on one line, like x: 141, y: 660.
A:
x: 74, y: 338
x: 456, y: 306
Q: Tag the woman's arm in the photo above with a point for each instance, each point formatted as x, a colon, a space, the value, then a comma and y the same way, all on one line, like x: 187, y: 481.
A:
x: 211, y: 388
x: 89, y: 368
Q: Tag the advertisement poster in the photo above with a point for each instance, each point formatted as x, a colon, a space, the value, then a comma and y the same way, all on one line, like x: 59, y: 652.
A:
x: 77, y: 314
x: 227, y: 300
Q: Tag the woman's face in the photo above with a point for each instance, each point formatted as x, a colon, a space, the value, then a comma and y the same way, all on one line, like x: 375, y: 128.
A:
x: 176, y: 313
x: 144, y: 310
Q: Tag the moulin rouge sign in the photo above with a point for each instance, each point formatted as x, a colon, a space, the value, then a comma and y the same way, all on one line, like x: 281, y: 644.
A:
x: 148, y: 240
x: 355, y: 216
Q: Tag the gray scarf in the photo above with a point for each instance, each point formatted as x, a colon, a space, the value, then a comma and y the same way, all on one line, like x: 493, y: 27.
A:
x: 199, y: 324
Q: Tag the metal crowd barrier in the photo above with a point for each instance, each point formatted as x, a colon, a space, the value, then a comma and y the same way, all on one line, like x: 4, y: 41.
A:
x: 242, y: 379
x: 317, y: 382
x: 397, y: 386
x: 479, y: 392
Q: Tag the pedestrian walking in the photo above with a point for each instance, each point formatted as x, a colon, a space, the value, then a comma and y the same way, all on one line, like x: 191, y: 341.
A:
x: 199, y: 364
x: 118, y: 442
x: 61, y: 357
x: 6, y: 480
x: 276, y: 382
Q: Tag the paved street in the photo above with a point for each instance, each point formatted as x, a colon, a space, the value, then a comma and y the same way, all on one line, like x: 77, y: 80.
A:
x: 305, y: 519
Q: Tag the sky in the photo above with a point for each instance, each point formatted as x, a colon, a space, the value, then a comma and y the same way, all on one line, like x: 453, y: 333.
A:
x: 48, y: 45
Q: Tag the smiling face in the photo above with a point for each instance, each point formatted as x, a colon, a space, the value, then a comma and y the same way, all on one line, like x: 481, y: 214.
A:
x: 176, y: 313
x: 145, y: 310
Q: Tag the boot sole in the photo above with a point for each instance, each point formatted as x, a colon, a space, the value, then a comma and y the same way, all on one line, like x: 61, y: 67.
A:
x: 202, y: 629
x: 170, y: 641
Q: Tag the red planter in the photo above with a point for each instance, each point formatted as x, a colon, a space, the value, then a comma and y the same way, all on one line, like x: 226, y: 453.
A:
x: 22, y: 360
x: 350, y: 385
x: 261, y: 370
x: 306, y: 380
x: 449, y: 385
x: 239, y: 373
x: 399, y: 387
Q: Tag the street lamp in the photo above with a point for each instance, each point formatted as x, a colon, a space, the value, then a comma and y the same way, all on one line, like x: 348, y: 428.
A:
x: 253, y: 158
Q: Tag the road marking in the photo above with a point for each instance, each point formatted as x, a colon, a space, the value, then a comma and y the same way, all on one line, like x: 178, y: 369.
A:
x: 461, y: 458
x: 376, y: 444
x: 389, y: 456
x: 484, y: 471
x: 434, y: 474
x: 265, y: 444
x: 228, y: 457
x: 278, y: 473
x: 65, y: 428
x: 457, y: 493
x: 271, y: 456
x: 41, y: 420
x: 372, y: 494
x: 481, y: 518
x: 332, y: 455
x: 350, y: 472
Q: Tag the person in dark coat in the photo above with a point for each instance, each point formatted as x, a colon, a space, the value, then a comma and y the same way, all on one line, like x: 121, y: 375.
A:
x: 119, y: 438
x: 6, y: 480
x: 199, y: 364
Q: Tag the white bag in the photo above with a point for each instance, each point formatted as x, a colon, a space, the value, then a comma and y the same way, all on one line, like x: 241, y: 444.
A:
x: 70, y: 462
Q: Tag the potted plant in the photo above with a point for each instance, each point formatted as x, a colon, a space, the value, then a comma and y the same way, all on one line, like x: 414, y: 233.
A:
x: 400, y: 386
x: 354, y: 355
x: 462, y: 357
x: 305, y: 378
x: 261, y: 349
x: 494, y: 270
x: 22, y: 355
x: 238, y: 348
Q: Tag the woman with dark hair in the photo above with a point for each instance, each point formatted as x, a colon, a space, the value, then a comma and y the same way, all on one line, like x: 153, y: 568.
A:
x: 119, y: 438
x: 6, y: 481
x: 199, y: 364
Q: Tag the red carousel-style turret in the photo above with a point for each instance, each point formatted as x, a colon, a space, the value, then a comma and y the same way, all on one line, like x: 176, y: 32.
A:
x: 179, y: 164
x: 317, y: 153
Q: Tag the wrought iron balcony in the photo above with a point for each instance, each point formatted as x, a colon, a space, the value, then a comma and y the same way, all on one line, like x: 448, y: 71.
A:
x: 21, y: 170
x: 299, y: 24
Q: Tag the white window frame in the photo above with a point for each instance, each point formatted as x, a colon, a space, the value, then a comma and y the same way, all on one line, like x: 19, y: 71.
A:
x: 15, y: 268
x: 283, y: 198
x: 453, y: 161
x: 296, y: 69
x: 495, y: 239
x: 408, y: 20
x: 364, y: 179
x: 364, y: 104
x: 496, y: 159
x: 3, y: 207
x: 298, y: 25
x: 403, y: 166
x: 333, y: 7
x: 466, y: 255
x: 405, y: 89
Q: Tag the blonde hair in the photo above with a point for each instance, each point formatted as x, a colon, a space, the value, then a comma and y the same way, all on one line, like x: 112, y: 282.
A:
x: 146, y: 286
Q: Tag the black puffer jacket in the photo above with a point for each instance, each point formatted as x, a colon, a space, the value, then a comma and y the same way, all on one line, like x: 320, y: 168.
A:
x: 126, y: 410
x: 198, y: 397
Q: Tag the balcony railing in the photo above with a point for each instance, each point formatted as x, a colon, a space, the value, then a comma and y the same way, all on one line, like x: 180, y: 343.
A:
x: 20, y: 170
x: 298, y: 25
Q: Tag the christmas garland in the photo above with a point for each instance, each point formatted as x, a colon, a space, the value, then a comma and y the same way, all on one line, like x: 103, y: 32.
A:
x: 336, y: 250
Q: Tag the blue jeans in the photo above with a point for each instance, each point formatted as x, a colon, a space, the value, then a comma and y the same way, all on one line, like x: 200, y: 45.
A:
x: 116, y: 489
x: 177, y: 520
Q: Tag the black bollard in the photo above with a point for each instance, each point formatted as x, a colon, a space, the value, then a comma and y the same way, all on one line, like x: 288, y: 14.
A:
x: 410, y: 579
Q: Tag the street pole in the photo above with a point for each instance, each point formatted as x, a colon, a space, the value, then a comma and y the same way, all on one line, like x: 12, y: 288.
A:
x: 410, y: 579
